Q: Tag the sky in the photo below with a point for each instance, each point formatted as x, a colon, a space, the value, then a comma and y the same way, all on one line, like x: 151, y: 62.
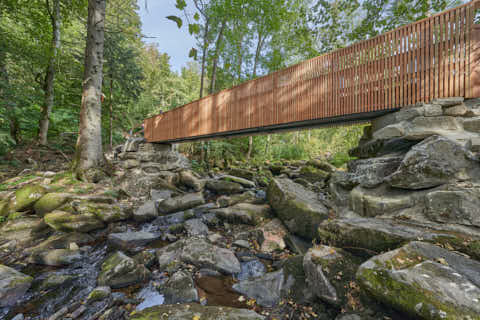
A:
x: 171, y: 40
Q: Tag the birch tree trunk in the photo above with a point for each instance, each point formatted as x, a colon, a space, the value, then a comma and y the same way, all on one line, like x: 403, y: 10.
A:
x: 215, y: 60
x: 89, y: 153
x: 50, y: 76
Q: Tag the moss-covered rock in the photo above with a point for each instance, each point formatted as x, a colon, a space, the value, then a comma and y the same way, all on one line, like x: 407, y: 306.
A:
x: 24, y: 229
x: 224, y: 187
x: 181, y: 203
x: 50, y: 202
x: 108, y: 213
x: 99, y: 293
x: 195, y: 311
x: 313, y: 174
x: 425, y: 281
x: 297, y: 207
x: 245, y: 213
x: 120, y: 271
x: 3, y: 208
x: 322, y: 165
x: 69, y: 222
x: 26, y: 197
x: 13, y: 285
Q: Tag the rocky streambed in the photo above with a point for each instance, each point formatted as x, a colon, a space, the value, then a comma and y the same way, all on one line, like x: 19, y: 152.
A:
x: 396, y: 236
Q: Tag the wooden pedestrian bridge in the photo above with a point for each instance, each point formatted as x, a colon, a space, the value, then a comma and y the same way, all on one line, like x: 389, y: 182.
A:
x: 436, y: 57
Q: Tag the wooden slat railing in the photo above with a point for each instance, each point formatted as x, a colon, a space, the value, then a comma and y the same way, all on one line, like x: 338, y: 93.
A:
x: 433, y: 58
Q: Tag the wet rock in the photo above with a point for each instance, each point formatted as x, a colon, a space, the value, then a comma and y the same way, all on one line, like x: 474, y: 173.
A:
x: 273, y: 233
x: 55, y: 257
x: 62, y: 241
x: 13, y: 286
x: 150, y: 297
x: 69, y: 222
x: 297, y: 207
x: 189, y: 179
x: 242, y: 181
x: 224, y: 187
x: 55, y: 281
x: 425, y: 281
x: 210, y: 219
x: 174, y: 218
x: 146, y: 212
x: 180, y: 203
x: 200, y: 253
x: 370, y: 173
x: 99, y: 293
x: 50, y: 202
x: 180, y: 289
x: 195, y: 227
x: 329, y: 271
x: 433, y: 162
x: 190, y: 311
x: 26, y: 197
x: 131, y: 241
x: 245, y: 213
x: 266, y: 290
x: 120, y: 271
x: 251, y: 270
x: 296, y: 244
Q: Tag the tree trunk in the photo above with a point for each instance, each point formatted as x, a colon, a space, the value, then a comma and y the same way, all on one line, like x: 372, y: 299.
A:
x: 204, y: 56
x: 111, y: 113
x: 50, y: 76
x: 267, y: 145
x: 215, y: 60
x: 89, y: 153
x: 257, y: 54
x: 4, y: 100
x: 250, y: 147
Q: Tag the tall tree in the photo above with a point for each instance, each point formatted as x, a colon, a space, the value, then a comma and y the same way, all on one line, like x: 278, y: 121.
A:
x: 89, y: 152
x: 55, y: 19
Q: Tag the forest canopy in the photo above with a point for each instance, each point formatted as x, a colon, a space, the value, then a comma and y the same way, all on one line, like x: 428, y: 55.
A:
x: 42, y: 45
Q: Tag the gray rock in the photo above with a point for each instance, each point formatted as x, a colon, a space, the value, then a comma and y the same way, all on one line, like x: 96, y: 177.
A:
x: 396, y: 130
x: 120, y: 271
x: 474, y: 144
x: 188, y: 178
x: 472, y: 124
x: 227, y: 201
x: 200, y: 253
x: 70, y: 222
x: 241, y: 244
x: 266, y: 290
x: 195, y: 227
x: 55, y: 257
x: 297, y: 207
x: 24, y: 229
x: 329, y: 271
x: 19, y: 316
x: 456, y: 111
x: 296, y: 244
x: 13, y: 286
x: 245, y: 213
x: 131, y: 145
x: 180, y: 288
x: 424, y: 127
x: 349, y: 317
x: 433, y: 110
x: 174, y: 218
x: 130, y: 163
x: 433, y: 162
x: 244, y: 182
x: 54, y: 281
x: 180, y: 203
x: 146, y: 212
x: 224, y: 187
x: 454, y: 205
x: 190, y: 311
x: 370, y: 173
x: 448, y: 102
x: 131, y: 241
x: 161, y: 194
x: 425, y: 281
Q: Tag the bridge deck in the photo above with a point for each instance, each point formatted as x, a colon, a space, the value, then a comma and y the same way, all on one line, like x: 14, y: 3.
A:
x: 433, y: 58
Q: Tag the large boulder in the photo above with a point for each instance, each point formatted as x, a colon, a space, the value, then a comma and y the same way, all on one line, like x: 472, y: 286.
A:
x: 195, y: 311
x: 329, y: 271
x: 454, y: 205
x: 244, y: 213
x: 138, y: 184
x: 50, y: 202
x: 13, y: 286
x: 120, y: 271
x: 180, y: 203
x: 299, y: 208
x: 425, y: 281
x: 108, y: 213
x: 24, y: 229
x: 370, y: 173
x: 26, y: 197
x: 227, y: 201
x: 198, y: 252
x: 70, y: 222
x: 189, y: 179
x: 433, y: 162
x: 146, y: 212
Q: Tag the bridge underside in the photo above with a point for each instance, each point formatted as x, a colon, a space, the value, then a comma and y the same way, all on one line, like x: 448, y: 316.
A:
x: 292, y: 126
